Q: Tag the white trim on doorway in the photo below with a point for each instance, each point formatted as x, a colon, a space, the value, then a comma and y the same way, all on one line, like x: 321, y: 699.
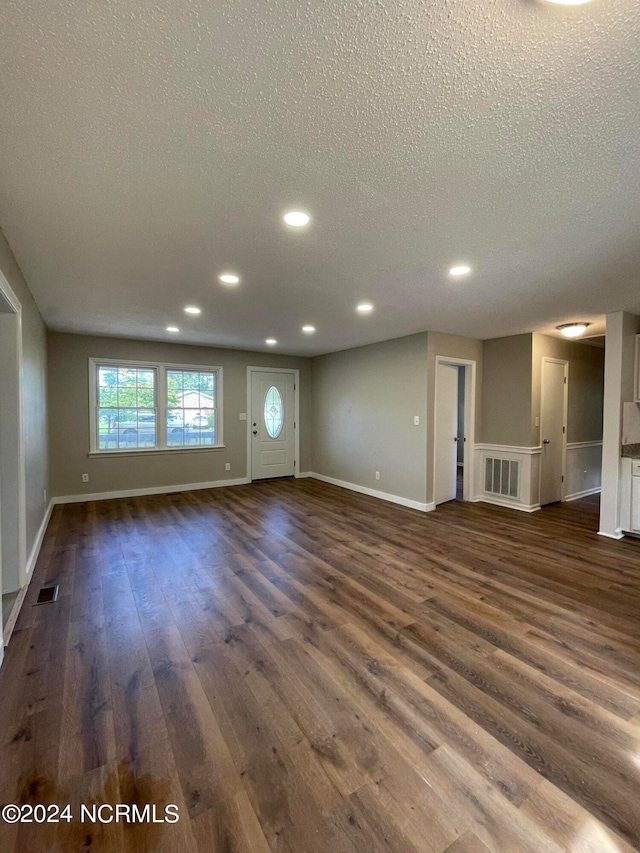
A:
x: 295, y: 372
x: 469, y: 422
x: 9, y: 297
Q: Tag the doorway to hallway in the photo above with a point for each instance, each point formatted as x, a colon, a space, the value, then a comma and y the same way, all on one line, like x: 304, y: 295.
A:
x: 454, y: 423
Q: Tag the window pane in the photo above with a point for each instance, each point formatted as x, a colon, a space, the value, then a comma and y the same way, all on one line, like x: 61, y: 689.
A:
x: 191, y: 381
x: 191, y: 415
x: 191, y: 427
x: 108, y: 396
x: 273, y: 412
x: 126, y: 408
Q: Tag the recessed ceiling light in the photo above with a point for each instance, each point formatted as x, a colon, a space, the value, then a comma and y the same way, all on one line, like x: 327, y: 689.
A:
x: 296, y: 218
x: 568, y: 2
x: 271, y: 341
x: 229, y: 278
x: 365, y: 307
x: 172, y: 329
x: 461, y: 269
x: 572, y: 330
x: 191, y: 309
x: 308, y: 329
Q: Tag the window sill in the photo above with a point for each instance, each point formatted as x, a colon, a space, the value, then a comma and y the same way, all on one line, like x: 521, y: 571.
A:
x: 156, y: 451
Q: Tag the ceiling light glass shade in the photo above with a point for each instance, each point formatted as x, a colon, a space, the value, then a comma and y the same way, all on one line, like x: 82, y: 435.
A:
x: 296, y: 218
x: 229, y: 278
x: 461, y: 269
x: 365, y: 307
x: 172, y: 329
x: 271, y: 341
x: 191, y: 309
x: 573, y: 330
x: 308, y: 329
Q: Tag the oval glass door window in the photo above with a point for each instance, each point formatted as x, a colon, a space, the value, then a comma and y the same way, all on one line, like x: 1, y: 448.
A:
x: 273, y: 412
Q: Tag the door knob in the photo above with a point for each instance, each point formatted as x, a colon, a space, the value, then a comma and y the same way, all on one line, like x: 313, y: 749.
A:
x: 547, y: 441
x: 456, y: 438
x: 255, y: 432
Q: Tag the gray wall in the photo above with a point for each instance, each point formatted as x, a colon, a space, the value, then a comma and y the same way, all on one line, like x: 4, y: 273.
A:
x: 34, y: 394
x: 452, y: 346
x: 364, y: 403
x: 506, y: 391
x: 586, y: 386
x: 69, y: 416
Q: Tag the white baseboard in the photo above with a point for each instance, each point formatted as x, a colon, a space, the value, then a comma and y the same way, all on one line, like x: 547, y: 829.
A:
x: 508, y: 504
x: 153, y: 490
x: 35, y: 551
x: 374, y: 493
x: 577, y: 495
x: 617, y: 535
x: 303, y: 474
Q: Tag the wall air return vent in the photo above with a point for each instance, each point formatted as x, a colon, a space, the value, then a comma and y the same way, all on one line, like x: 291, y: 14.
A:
x: 502, y: 477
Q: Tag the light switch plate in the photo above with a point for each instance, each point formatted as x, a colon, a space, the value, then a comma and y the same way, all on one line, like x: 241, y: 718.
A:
x: 243, y: 416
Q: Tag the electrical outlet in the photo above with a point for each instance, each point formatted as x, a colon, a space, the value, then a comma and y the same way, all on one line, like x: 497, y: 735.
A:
x: 377, y: 475
x: 85, y: 478
x: 227, y: 466
x: 416, y: 420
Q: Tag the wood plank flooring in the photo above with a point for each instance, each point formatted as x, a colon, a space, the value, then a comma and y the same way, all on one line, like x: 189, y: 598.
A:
x: 303, y: 669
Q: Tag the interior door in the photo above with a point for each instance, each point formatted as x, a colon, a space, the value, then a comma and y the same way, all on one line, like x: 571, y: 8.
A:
x: 446, y: 432
x: 552, y: 426
x: 272, y: 425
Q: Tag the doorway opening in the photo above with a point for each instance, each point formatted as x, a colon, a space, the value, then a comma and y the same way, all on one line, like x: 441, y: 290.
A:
x: 454, y: 427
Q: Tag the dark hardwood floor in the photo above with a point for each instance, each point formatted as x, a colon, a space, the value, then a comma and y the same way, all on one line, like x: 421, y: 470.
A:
x: 300, y: 668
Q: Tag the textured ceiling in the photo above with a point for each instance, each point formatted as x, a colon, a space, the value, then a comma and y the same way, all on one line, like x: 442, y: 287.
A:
x: 147, y: 146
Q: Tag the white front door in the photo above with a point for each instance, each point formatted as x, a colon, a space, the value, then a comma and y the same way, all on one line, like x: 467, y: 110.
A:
x: 552, y: 426
x: 446, y: 432
x: 272, y: 425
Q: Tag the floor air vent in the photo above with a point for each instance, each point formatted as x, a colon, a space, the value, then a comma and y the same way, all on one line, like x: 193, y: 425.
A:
x: 502, y: 477
x: 47, y: 595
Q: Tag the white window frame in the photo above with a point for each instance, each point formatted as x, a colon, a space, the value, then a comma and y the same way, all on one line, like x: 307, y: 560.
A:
x: 160, y: 369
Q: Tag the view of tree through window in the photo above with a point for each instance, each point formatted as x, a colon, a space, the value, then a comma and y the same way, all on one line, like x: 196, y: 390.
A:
x: 126, y: 407
x: 191, y: 407
x: 153, y: 406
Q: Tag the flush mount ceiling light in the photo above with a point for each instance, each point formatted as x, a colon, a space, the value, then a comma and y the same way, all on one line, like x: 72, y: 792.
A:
x: 572, y: 330
x: 229, y: 278
x: 365, y: 307
x: 191, y: 309
x: 309, y: 329
x: 271, y: 341
x: 460, y: 269
x: 296, y: 218
x: 172, y: 329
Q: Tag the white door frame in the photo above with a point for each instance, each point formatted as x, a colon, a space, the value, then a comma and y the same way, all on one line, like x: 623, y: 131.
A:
x: 565, y: 414
x: 296, y: 414
x: 11, y: 300
x: 469, y: 423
